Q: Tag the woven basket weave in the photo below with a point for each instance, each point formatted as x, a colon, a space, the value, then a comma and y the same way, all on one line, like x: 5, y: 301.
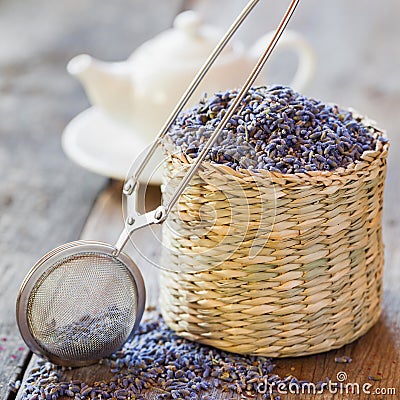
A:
x: 274, y: 264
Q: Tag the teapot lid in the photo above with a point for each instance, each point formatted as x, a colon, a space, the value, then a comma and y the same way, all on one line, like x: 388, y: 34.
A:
x: 189, y: 41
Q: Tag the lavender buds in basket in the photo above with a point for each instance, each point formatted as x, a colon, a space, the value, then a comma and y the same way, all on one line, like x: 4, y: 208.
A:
x: 276, y: 129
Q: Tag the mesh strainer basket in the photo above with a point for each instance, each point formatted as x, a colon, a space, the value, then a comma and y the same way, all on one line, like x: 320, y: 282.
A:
x: 80, y: 303
x: 288, y: 264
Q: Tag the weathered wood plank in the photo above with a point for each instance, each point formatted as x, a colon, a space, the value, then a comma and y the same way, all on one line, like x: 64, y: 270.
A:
x: 13, y: 358
x: 353, y: 41
x: 36, y: 180
x: 45, y: 198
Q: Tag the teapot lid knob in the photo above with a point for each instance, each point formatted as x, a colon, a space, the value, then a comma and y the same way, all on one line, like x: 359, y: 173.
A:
x: 189, y: 22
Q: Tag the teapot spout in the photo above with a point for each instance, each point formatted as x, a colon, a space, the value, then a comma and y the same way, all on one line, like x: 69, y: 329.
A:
x: 107, y: 85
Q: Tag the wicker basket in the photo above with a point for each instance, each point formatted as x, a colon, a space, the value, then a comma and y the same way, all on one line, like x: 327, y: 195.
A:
x: 274, y: 264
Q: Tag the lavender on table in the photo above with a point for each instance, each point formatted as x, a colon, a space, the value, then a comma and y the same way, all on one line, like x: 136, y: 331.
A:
x: 275, y: 129
x: 157, y: 358
x: 343, y: 360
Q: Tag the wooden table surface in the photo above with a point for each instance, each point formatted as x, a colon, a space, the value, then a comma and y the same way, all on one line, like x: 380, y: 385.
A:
x: 46, y: 200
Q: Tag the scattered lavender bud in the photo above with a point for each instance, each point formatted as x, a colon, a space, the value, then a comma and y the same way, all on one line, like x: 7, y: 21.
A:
x: 343, y: 360
x: 156, y: 359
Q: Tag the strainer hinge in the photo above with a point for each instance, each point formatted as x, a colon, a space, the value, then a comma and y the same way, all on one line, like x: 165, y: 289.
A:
x: 137, y: 221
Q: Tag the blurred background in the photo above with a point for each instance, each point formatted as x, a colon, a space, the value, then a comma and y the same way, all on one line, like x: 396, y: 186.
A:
x: 45, y: 198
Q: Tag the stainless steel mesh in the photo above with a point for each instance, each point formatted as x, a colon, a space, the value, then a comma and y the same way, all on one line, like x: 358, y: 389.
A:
x: 84, y: 307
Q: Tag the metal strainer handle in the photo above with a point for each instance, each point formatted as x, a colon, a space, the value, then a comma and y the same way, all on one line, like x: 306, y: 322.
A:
x: 130, y: 184
x: 137, y: 221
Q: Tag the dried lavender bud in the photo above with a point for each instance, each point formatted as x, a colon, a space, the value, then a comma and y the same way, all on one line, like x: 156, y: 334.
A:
x: 375, y: 378
x: 343, y: 360
x: 156, y: 358
x: 275, y: 129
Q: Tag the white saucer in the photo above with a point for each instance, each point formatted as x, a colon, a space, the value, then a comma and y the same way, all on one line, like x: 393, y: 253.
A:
x: 100, y: 145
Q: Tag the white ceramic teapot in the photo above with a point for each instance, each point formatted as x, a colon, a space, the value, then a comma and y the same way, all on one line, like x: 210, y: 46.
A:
x: 143, y: 90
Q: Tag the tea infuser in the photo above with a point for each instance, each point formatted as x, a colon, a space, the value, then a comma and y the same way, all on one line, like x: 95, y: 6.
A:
x: 83, y: 300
